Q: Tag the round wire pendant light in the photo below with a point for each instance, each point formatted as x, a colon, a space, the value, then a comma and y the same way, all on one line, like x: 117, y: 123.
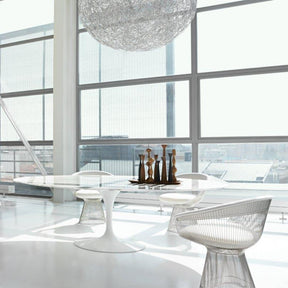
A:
x: 136, y: 25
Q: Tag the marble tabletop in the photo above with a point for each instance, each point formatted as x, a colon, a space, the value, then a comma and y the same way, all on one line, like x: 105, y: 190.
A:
x: 104, y: 182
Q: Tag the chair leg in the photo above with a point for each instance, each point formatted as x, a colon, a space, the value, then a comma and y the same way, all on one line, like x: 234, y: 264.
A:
x: 226, y: 269
x: 172, y: 223
x: 92, y: 212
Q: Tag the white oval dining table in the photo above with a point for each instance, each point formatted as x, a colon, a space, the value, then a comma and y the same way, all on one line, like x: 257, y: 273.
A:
x: 109, y: 187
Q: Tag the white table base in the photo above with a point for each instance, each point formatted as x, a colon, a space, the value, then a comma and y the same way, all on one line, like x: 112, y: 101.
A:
x: 109, y: 243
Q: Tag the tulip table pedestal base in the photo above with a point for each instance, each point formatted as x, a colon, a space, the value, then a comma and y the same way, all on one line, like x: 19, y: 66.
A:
x: 109, y: 243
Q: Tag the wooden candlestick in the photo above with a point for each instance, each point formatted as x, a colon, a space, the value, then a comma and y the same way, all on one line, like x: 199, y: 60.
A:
x: 174, y: 169
x: 170, y: 168
x: 142, y: 169
x: 149, y: 165
x: 164, y: 149
x: 164, y: 172
x: 156, y: 170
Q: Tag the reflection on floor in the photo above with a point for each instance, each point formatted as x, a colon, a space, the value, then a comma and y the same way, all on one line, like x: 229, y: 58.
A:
x: 36, y: 250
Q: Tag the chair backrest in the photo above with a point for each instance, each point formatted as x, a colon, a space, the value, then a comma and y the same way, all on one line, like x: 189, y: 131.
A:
x: 197, y: 176
x: 92, y: 172
x: 249, y: 214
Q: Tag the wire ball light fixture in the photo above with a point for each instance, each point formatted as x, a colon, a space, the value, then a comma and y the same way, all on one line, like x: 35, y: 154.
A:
x: 136, y: 25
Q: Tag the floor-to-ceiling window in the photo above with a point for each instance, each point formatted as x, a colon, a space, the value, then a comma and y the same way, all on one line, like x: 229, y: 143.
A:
x: 26, y: 86
x: 217, y: 94
x: 242, y: 77
x: 130, y: 100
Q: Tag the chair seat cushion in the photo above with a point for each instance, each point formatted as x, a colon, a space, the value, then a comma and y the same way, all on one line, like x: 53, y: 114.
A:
x: 179, y: 198
x: 225, y: 235
x: 88, y: 194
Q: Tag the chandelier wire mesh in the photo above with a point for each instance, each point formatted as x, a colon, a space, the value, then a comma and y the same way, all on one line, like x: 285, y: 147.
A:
x: 136, y: 25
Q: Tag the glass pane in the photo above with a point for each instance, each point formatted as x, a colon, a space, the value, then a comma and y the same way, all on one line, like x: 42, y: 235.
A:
x: 20, y: 20
x: 47, y: 64
x: 26, y: 67
x: 28, y: 114
x: 124, y: 159
x: 99, y: 63
x: 142, y: 111
x: 245, y: 163
x: 80, y: 25
x: 48, y: 110
x: 245, y: 106
x: 15, y: 161
x: 226, y: 42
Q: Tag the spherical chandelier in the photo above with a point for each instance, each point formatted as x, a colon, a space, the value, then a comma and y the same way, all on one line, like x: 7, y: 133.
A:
x: 136, y: 25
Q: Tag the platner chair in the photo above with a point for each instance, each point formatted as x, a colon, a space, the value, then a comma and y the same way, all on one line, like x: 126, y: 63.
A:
x: 92, y: 211
x: 182, y: 201
x: 226, y: 231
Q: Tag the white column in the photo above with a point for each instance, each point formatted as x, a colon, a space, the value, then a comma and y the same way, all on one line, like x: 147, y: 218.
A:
x: 64, y: 106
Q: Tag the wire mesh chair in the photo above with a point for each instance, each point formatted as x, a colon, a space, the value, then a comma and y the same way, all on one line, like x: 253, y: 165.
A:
x: 226, y: 231
x: 182, y: 201
x: 92, y: 211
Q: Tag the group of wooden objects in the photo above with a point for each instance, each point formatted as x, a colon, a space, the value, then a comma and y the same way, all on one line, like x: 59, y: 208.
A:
x: 156, y: 178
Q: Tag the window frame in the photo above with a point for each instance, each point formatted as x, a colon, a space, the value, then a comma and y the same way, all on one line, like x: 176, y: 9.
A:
x: 194, y: 78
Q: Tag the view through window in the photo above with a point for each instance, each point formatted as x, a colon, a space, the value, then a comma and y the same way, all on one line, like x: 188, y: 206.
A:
x: 26, y: 87
x: 219, y: 88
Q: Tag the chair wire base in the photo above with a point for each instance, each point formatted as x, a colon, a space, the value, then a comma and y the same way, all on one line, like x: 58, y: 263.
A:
x: 226, y: 269
x: 92, y: 212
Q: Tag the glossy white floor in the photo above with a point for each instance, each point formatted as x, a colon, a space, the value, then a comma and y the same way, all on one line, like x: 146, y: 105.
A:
x: 36, y: 250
